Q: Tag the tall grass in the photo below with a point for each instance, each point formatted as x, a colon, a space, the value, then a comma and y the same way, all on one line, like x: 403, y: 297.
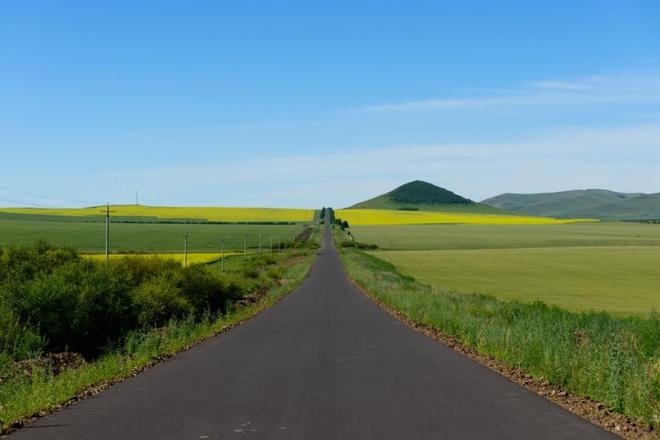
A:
x: 609, y: 359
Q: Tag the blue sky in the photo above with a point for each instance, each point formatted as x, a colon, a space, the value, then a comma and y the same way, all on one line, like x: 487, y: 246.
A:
x: 308, y: 104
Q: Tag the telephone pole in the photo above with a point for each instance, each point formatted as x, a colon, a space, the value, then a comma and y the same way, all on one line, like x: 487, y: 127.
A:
x: 185, y: 249
x: 107, y: 212
x: 222, y: 253
x: 107, y: 232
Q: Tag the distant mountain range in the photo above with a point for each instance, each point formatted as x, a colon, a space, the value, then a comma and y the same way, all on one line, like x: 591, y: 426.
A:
x: 588, y: 203
x: 423, y: 196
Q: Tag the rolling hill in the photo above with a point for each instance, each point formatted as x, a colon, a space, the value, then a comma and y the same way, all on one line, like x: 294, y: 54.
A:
x: 423, y: 196
x: 589, y: 203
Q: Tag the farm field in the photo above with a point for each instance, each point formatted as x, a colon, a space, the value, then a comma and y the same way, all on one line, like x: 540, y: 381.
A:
x: 620, y: 280
x: 89, y: 237
x: 193, y: 258
x: 155, y: 213
x: 400, y: 237
x: 400, y: 217
x: 609, y: 266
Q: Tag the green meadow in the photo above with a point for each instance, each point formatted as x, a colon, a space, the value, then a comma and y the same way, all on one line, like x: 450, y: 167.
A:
x: 462, y: 236
x: 608, y: 266
x: 620, y: 279
x: 145, y: 237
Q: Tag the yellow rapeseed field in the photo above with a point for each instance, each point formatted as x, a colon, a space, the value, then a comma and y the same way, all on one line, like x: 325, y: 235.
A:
x: 192, y: 258
x: 395, y: 217
x: 211, y: 213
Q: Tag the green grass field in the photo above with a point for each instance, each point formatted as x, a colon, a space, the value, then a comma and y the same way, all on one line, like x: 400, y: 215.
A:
x: 144, y: 237
x: 621, y: 280
x: 399, y: 237
x: 585, y: 266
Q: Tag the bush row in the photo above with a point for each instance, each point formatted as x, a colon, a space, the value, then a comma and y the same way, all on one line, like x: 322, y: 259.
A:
x: 52, y: 299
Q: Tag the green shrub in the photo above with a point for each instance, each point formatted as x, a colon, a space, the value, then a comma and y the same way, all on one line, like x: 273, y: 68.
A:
x: 17, y: 340
x: 206, y: 292
x: 159, y: 300
x: 51, y: 299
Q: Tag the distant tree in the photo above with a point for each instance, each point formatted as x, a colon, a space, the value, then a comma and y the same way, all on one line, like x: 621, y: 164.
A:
x: 344, y: 224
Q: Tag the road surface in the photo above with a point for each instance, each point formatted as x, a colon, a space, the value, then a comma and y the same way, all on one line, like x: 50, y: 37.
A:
x: 324, y: 363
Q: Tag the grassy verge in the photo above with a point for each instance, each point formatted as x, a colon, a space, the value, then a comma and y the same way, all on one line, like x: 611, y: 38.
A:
x: 609, y: 359
x: 39, y: 391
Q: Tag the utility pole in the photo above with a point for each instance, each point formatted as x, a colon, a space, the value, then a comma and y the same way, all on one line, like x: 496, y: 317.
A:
x: 107, y: 212
x: 136, y: 198
x: 107, y: 232
x: 222, y: 253
x: 185, y: 249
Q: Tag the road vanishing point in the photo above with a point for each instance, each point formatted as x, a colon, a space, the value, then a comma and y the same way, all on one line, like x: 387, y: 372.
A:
x: 324, y: 363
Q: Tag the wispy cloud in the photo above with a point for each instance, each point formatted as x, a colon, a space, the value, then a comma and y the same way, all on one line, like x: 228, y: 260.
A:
x: 626, y: 159
x: 596, y: 89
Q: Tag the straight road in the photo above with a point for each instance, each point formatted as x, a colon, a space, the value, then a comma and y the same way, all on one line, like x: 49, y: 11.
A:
x: 324, y: 363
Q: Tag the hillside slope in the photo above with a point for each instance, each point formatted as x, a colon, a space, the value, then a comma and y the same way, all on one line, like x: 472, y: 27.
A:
x: 423, y: 196
x: 642, y: 207
x: 592, y: 203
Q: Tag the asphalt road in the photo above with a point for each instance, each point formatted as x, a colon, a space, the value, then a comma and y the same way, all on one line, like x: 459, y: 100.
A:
x: 324, y: 363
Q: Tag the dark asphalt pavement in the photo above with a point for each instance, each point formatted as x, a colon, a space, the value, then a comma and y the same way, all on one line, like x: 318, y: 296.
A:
x: 324, y: 363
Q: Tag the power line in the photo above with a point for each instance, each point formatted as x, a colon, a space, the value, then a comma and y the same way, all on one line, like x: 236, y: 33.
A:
x: 21, y: 202
x: 41, y: 196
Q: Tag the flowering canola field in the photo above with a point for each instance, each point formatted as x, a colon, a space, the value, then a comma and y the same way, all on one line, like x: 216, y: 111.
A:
x: 196, y: 258
x: 211, y: 213
x: 356, y: 217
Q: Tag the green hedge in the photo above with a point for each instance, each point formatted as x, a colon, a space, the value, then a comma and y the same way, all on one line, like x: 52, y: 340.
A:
x: 52, y: 299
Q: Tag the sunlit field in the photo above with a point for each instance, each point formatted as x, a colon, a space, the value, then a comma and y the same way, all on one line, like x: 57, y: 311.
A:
x: 459, y: 236
x: 192, y: 258
x: 620, y: 279
x: 358, y: 217
x: 89, y: 237
x: 211, y: 213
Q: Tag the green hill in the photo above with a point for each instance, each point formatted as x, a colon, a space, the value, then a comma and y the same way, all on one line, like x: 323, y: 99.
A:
x: 424, y: 196
x: 641, y: 207
x: 590, y: 203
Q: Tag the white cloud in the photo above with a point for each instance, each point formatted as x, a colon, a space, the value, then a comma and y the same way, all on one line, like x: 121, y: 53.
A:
x: 622, y: 88
x: 625, y: 159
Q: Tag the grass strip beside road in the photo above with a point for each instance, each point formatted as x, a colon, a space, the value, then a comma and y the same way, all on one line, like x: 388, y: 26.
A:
x: 609, y: 359
x: 42, y: 392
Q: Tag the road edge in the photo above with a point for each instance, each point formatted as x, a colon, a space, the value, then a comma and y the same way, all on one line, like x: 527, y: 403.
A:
x: 590, y: 410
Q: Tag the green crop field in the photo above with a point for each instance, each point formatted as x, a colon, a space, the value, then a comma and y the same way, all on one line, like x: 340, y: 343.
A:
x: 144, y: 237
x: 429, y: 237
x: 584, y: 266
x: 618, y: 279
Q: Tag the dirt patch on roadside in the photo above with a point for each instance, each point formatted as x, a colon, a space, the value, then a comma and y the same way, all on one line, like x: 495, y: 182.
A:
x: 595, y: 412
